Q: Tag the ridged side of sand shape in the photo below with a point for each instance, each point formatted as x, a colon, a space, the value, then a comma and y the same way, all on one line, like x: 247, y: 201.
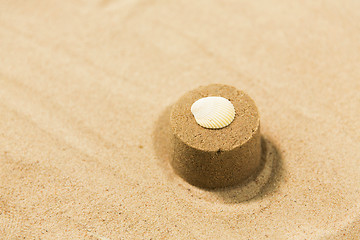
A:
x: 213, y: 112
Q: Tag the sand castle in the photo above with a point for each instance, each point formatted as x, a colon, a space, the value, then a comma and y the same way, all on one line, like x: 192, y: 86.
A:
x: 213, y: 158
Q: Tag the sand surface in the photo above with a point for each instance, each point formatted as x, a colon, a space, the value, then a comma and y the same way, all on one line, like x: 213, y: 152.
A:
x: 83, y: 87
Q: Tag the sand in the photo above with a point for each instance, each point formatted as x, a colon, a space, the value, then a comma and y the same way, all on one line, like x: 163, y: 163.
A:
x: 84, y: 86
x: 213, y: 158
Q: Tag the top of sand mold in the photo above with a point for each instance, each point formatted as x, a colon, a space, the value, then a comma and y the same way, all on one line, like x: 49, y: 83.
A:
x: 239, y: 131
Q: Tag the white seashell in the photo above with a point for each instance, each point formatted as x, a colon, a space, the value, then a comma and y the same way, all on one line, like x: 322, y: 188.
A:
x: 213, y: 112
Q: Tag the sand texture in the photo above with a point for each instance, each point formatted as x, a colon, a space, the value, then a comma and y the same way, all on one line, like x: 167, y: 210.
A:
x: 85, y: 88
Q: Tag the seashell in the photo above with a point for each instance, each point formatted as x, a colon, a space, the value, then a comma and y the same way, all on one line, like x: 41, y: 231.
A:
x: 213, y: 112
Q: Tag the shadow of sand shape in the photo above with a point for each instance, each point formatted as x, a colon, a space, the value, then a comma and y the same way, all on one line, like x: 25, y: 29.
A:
x: 161, y: 141
x: 260, y: 185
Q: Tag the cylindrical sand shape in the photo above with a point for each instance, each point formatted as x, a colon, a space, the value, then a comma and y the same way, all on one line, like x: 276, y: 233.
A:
x: 214, y: 158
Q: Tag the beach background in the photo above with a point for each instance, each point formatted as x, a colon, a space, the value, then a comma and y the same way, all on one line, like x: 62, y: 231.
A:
x: 84, y: 86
